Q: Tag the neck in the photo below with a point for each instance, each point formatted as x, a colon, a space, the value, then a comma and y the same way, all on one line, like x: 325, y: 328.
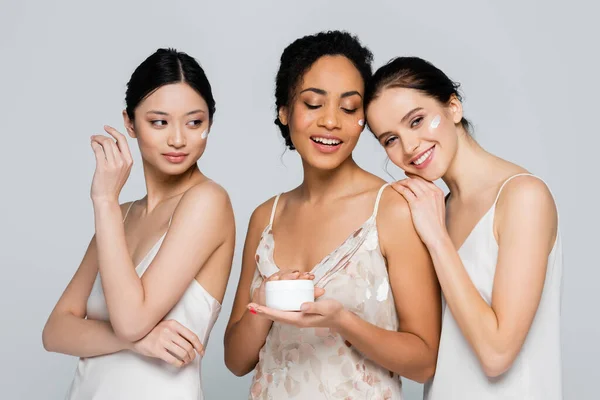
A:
x: 471, y: 168
x: 161, y: 187
x: 319, y: 185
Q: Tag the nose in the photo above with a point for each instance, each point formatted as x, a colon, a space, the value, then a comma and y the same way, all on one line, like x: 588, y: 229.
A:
x: 329, y: 118
x: 176, y: 138
x: 410, y: 144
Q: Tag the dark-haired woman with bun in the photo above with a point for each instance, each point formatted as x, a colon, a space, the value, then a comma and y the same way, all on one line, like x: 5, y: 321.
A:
x: 378, y: 307
x: 140, y: 308
x: 494, y: 241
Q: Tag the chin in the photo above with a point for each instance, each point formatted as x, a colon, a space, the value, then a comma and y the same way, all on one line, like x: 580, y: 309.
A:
x: 431, y: 173
x: 173, y: 169
x: 325, y: 163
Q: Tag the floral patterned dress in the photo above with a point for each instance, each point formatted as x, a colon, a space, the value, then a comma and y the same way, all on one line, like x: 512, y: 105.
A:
x: 314, y: 363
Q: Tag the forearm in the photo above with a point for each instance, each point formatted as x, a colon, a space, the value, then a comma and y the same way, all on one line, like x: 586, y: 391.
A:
x: 72, y: 335
x: 401, y: 352
x: 476, y: 319
x: 122, y: 286
x: 243, y: 341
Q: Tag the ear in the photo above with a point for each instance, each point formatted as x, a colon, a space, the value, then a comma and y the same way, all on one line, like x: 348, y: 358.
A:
x: 456, y: 110
x: 129, y: 125
x: 283, y: 115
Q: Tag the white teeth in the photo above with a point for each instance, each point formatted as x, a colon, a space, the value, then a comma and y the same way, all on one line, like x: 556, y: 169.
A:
x: 422, y: 159
x: 331, y: 142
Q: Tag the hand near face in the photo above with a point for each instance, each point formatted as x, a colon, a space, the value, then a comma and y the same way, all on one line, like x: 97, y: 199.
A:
x: 113, y: 165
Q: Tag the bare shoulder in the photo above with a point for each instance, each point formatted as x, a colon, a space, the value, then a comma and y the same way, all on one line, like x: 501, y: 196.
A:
x: 526, y: 207
x: 206, y: 198
x: 261, y: 215
x: 393, y: 209
x: 394, y: 224
x: 526, y: 193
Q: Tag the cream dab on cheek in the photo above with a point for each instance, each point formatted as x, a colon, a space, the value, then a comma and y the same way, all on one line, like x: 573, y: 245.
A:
x: 204, y: 134
x: 435, y: 122
x: 361, y: 122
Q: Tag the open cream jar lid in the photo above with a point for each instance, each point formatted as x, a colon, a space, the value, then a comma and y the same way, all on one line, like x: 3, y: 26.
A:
x: 289, y: 295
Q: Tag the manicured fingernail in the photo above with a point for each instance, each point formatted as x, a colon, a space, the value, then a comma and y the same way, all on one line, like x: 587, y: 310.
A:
x: 252, y: 310
x: 303, y: 307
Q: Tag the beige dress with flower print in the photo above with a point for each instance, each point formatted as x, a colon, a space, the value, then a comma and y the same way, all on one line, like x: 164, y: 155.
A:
x: 313, y: 363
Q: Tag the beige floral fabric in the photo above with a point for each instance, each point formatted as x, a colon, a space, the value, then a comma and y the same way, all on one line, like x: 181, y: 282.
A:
x: 315, y: 363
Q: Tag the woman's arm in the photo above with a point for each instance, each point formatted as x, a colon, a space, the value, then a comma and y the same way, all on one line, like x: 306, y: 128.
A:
x: 412, y: 351
x: 67, y: 330
x: 245, y: 336
x: 202, y: 222
x: 526, y: 224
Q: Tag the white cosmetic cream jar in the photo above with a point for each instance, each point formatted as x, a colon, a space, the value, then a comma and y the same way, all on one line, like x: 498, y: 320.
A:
x: 289, y: 295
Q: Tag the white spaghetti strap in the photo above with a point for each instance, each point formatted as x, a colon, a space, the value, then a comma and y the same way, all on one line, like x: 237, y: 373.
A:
x: 379, y: 198
x: 508, y: 180
x: 274, y: 209
x: 127, y: 212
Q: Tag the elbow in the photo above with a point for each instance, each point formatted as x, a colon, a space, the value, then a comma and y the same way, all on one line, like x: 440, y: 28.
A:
x: 425, y: 374
x: 49, y: 336
x: 424, y: 369
x: 47, y: 341
x: 235, y: 365
x: 495, y: 363
x: 236, y: 370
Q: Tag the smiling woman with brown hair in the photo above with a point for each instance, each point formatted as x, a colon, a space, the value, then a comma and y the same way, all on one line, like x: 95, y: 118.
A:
x: 494, y: 241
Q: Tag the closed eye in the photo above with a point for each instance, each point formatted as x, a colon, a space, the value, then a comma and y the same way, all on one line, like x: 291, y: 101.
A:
x: 349, y: 111
x: 311, y: 106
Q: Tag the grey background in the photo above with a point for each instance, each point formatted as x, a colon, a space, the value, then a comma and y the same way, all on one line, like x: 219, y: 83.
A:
x: 529, y: 70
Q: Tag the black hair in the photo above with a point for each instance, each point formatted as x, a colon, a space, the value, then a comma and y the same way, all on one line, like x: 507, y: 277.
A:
x: 415, y: 73
x: 164, y: 67
x: 299, y: 56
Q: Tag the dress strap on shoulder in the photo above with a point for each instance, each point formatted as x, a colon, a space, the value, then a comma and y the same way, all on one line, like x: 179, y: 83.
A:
x: 376, y: 207
x: 127, y: 212
x: 508, y: 180
x: 274, y: 209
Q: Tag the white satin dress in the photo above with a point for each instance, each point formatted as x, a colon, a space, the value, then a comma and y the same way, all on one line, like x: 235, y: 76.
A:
x: 129, y: 376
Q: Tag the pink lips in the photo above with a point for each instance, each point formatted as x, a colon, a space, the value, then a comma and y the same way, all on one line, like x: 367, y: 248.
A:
x: 175, y: 157
x: 427, y: 161
x: 326, y: 148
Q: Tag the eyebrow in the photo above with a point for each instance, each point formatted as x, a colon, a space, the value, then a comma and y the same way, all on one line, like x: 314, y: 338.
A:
x: 323, y: 92
x: 164, y: 113
x: 403, y: 120
x: 410, y: 114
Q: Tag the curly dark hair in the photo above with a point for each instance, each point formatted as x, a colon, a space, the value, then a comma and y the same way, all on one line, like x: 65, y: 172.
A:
x: 299, y: 56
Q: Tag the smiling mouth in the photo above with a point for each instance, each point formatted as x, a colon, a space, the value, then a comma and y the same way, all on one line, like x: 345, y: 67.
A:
x: 326, y: 141
x: 423, y: 157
